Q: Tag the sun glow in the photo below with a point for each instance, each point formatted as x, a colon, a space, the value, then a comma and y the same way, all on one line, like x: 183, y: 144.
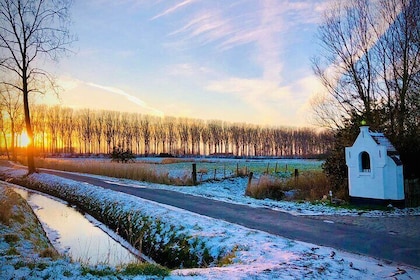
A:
x: 24, y: 139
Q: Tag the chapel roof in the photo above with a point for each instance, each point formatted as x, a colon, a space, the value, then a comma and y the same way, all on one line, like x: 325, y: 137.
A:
x: 380, y: 139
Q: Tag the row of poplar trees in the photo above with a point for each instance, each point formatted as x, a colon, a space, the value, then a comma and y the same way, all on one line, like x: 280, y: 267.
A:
x: 64, y: 130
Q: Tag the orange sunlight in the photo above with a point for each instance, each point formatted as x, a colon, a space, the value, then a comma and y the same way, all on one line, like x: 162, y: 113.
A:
x: 23, y: 140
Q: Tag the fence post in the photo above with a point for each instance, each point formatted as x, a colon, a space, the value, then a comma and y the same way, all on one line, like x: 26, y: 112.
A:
x: 194, y: 174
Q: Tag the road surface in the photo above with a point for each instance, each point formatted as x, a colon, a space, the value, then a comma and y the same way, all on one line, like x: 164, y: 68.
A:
x: 351, y: 238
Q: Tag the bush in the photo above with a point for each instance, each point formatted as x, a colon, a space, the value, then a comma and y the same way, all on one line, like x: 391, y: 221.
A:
x: 310, y: 185
x: 119, y: 155
x: 266, y: 187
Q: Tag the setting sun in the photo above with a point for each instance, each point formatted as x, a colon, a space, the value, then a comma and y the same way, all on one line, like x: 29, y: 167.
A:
x: 24, y: 139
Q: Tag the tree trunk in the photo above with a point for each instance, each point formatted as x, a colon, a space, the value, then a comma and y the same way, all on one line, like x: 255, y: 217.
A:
x: 30, y: 148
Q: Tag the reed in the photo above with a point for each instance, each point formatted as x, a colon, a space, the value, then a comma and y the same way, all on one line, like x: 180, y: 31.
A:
x: 133, y: 171
x: 309, y: 185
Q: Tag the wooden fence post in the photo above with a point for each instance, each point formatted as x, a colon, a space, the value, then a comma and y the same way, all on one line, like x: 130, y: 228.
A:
x: 237, y: 169
x: 194, y: 174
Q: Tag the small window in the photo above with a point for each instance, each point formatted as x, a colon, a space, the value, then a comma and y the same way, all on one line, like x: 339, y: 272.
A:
x: 365, y: 162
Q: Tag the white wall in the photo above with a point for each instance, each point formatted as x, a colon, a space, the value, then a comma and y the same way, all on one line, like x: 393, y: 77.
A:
x: 384, y: 181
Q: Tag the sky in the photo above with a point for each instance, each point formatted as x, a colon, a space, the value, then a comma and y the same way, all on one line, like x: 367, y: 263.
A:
x: 244, y: 61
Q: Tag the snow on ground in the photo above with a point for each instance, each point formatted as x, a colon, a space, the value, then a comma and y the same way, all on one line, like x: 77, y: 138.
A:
x: 233, y: 191
x: 259, y: 255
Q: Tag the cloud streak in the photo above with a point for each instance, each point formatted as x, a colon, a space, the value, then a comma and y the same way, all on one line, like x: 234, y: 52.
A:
x: 129, y: 97
x: 174, y: 8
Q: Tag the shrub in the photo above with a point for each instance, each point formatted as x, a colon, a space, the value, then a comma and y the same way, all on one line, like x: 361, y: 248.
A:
x: 309, y: 185
x: 119, y: 155
x: 266, y: 187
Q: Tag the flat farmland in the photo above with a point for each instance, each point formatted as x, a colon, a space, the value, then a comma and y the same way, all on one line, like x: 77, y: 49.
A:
x: 181, y: 168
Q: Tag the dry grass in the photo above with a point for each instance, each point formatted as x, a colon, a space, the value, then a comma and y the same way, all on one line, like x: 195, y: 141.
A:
x: 266, y: 187
x: 7, y: 201
x: 49, y: 253
x: 174, y: 160
x: 134, y: 171
x: 310, y: 185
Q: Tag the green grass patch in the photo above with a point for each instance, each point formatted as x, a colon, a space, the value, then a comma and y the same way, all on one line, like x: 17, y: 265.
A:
x: 12, y: 251
x: 99, y: 271
x: 145, y: 269
x: 11, y: 238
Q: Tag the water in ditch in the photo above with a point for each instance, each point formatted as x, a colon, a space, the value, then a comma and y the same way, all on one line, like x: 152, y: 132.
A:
x: 74, y: 235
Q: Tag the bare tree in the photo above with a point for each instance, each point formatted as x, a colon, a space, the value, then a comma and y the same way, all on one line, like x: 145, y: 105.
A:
x: 10, y: 101
x: 146, y: 133
x: 86, y: 122
x: 345, y: 65
x: 30, y: 30
x: 398, y: 51
x: 53, y: 115
x: 170, y: 128
x: 3, y: 128
x: 183, y: 133
x: 39, y: 122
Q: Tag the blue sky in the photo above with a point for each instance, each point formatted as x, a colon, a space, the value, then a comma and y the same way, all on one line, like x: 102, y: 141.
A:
x: 239, y: 61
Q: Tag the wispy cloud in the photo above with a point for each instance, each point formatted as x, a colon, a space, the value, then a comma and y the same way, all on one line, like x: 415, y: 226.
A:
x: 188, y: 70
x: 172, y: 9
x: 251, y: 90
x: 129, y: 97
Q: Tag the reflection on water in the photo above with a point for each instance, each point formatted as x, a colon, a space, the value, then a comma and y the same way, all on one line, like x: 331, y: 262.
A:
x: 72, y: 233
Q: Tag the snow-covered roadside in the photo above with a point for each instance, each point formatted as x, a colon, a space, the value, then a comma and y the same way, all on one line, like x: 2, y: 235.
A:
x: 233, y: 191
x: 257, y: 254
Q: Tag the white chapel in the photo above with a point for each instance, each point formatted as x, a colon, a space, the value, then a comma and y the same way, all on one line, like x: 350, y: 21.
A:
x: 375, y: 170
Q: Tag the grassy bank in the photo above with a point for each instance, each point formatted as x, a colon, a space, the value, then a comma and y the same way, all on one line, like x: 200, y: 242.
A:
x: 163, y: 240
x: 26, y: 252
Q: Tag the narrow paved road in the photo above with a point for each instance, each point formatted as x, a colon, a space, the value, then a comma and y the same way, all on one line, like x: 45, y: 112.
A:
x: 351, y: 238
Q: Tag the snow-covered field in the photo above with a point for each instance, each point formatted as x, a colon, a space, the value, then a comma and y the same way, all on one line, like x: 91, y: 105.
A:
x: 258, y: 255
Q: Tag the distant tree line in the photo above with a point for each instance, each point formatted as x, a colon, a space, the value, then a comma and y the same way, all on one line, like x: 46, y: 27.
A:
x: 65, y: 130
